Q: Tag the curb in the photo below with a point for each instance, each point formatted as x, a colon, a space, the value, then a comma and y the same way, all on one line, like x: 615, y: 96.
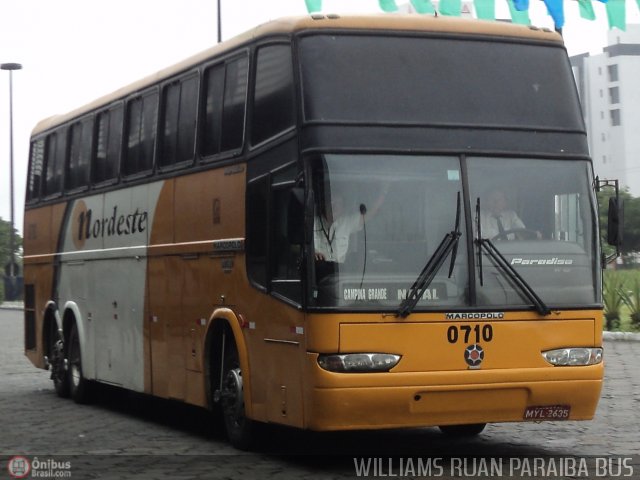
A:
x: 12, y: 306
x: 621, y: 336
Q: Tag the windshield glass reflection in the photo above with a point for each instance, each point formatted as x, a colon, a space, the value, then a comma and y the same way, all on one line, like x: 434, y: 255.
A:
x: 539, y: 215
x: 377, y: 221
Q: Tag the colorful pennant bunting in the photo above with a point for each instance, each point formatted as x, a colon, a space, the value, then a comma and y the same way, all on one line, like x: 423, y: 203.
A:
x: 519, y: 9
x: 388, y: 6
x: 451, y: 8
x: 313, y: 5
x: 519, y: 17
x: 486, y: 9
x: 521, y: 5
x: 425, y: 6
x: 616, y: 13
x: 556, y: 10
x: 586, y: 10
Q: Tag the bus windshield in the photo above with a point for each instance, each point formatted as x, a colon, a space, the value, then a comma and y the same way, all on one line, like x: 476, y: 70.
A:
x: 378, y: 219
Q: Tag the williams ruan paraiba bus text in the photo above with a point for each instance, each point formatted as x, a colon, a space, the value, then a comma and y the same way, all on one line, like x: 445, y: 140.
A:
x: 516, y: 467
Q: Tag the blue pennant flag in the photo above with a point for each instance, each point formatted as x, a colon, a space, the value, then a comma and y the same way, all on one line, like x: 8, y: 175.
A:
x: 556, y: 10
x: 521, y: 5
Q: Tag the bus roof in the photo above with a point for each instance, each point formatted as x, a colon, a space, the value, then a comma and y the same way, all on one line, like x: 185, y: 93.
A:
x: 291, y: 25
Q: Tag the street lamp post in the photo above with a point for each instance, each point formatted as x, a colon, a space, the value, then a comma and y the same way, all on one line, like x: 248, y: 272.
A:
x: 11, y: 67
x: 219, y: 21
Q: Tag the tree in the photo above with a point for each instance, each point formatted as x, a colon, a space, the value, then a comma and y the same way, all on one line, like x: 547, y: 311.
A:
x: 5, y: 250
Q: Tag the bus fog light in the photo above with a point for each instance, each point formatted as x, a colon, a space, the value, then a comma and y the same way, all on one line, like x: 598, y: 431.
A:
x: 574, y: 356
x: 358, y: 362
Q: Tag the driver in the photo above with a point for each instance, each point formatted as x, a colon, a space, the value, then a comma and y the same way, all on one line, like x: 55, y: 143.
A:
x: 496, y: 218
x: 333, y: 227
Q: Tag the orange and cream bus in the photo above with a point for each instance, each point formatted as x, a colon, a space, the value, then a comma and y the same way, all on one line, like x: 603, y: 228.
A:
x: 330, y: 223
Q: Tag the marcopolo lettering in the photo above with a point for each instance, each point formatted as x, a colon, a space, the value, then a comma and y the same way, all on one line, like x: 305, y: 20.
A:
x: 475, y: 316
x: 115, y: 224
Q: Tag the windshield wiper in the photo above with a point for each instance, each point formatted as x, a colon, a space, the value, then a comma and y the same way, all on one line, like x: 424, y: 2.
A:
x: 513, y: 275
x: 449, y: 244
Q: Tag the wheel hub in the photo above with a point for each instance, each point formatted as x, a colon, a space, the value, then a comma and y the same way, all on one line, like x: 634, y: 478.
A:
x: 232, y: 398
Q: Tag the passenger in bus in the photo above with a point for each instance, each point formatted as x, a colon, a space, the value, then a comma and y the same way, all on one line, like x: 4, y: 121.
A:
x: 496, y: 218
x: 333, y: 227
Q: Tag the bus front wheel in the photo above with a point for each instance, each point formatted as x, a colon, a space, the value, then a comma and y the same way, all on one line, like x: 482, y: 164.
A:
x: 470, y: 430
x: 239, y: 427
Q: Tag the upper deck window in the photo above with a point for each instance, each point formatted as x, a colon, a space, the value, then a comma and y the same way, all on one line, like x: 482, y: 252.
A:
x: 54, y: 162
x: 225, y: 106
x: 77, y: 169
x: 180, y: 107
x: 273, y: 107
x: 35, y: 169
x: 142, y: 117
x: 415, y: 80
x: 106, y: 160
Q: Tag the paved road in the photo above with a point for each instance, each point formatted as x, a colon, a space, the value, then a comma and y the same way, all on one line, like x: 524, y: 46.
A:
x: 124, y: 435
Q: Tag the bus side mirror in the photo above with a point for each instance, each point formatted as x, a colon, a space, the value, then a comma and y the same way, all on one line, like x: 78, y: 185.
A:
x: 295, y: 216
x: 615, y: 222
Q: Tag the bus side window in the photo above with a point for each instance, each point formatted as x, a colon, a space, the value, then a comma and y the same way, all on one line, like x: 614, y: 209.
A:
x: 212, y: 121
x: 55, y: 153
x: 77, y: 169
x: 225, y: 100
x: 286, y: 257
x: 141, y: 127
x: 109, y: 140
x: 273, y: 105
x: 235, y: 100
x: 257, y: 230
x: 35, y: 170
x: 179, y: 108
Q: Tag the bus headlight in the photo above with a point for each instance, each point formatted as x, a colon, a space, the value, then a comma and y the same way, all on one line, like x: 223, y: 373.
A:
x: 358, y: 362
x: 574, y: 356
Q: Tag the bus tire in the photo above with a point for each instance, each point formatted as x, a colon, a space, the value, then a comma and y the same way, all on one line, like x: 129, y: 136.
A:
x: 56, y: 361
x: 240, y: 429
x: 470, y: 430
x: 79, y: 386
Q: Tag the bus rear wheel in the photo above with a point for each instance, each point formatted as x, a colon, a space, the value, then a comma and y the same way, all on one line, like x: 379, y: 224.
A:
x: 57, y: 362
x: 470, y: 430
x: 79, y: 386
x: 239, y: 427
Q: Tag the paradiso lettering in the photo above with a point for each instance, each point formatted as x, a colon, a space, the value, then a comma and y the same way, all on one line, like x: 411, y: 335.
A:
x: 542, y: 261
x: 116, y: 224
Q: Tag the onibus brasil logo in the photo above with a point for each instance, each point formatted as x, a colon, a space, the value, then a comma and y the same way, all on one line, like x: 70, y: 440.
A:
x: 21, y: 467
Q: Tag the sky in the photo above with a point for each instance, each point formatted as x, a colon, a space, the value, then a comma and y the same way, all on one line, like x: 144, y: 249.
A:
x: 74, y: 51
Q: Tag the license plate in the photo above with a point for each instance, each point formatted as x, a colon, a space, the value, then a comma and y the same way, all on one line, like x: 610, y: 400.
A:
x: 547, y: 412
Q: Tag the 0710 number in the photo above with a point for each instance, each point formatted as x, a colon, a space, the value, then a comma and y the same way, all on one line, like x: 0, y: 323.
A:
x: 468, y: 333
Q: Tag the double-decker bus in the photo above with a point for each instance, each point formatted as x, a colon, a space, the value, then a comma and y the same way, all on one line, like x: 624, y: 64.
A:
x: 330, y: 223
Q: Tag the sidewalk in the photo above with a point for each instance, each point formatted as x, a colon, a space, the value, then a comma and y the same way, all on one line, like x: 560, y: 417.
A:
x: 12, y: 306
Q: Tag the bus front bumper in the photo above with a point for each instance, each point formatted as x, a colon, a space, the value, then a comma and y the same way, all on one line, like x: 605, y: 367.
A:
x: 396, y: 400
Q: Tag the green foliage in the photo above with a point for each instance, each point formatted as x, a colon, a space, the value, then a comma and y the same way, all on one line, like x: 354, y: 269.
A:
x: 5, y: 228
x: 631, y: 298
x: 612, y: 299
x: 5, y: 240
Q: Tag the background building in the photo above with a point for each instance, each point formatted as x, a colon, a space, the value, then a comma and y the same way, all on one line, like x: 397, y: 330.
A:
x: 609, y: 87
